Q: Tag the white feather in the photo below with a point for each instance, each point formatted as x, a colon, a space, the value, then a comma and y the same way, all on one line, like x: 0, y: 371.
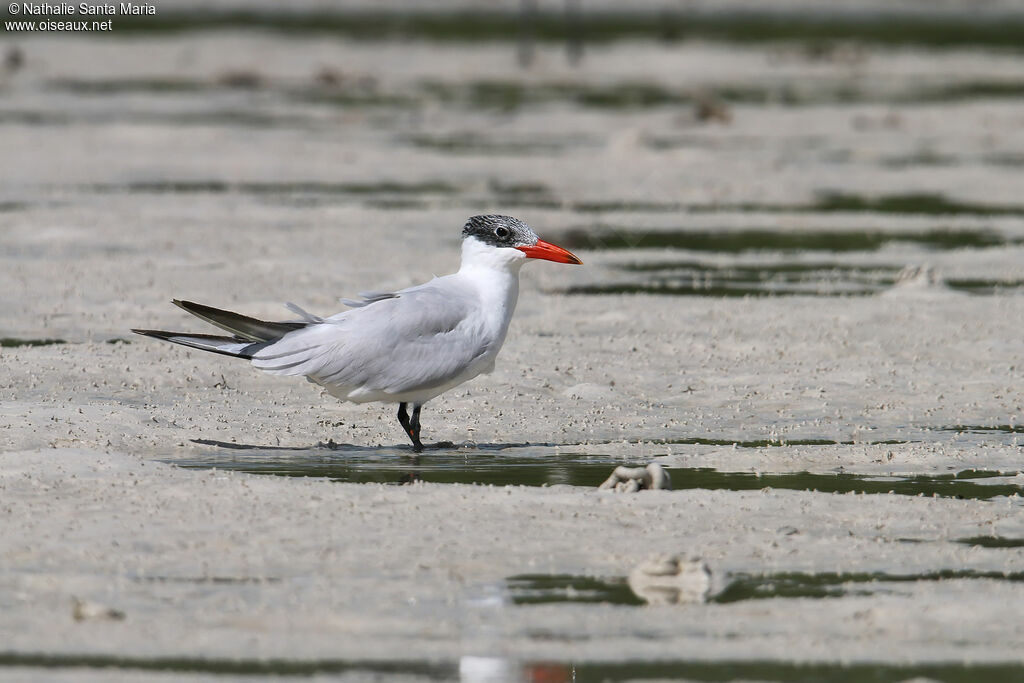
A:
x: 410, y: 345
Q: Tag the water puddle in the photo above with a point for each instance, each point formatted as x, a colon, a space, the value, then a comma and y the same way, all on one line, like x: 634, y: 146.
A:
x: 468, y: 669
x: 840, y: 584
x: 221, y: 187
x: 534, y: 589
x: 791, y: 672
x: 383, y: 194
x: 539, y: 589
x: 223, y: 117
x: 694, y: 278
x: 148, y: 86
x: 527, y: 465
x: 512, y: 95
x: 207, y: 580
x: 398, y: 466
x: 774, y: 443
x: 984, y: 429
x: 739, y: 241
x: 475, y: 144
x: 1009, y: 435
x: 723, y: 288
x: 982, y: 286
x: 992, y: 542
x: 927, y: 204
x: 321, y: 88
x: 13, y: 343
x: 757, y: 272
x: 926, y: 158
x: 762, y: 262
x: 241, y: 667
x: 709, y: 287
x: 968, y: 484
x: 923, y: 203
x: 932, y: 159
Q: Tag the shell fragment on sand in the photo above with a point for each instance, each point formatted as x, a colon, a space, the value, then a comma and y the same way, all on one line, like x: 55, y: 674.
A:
x: 630, y: 479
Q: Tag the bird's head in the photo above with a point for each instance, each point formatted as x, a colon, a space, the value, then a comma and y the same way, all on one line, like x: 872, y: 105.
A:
x: 510, y: 240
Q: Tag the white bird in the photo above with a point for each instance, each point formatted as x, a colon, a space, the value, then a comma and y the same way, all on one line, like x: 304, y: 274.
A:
x: 402, y: 347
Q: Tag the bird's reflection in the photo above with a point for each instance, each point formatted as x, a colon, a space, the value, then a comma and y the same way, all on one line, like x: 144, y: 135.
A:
x: 496, y: 464
x: 413, y: 475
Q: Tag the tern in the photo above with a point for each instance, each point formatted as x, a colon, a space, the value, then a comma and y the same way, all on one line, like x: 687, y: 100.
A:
x: 403, y: 347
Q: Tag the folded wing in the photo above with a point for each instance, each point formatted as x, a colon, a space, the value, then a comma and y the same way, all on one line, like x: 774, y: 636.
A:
x: 411, y: 340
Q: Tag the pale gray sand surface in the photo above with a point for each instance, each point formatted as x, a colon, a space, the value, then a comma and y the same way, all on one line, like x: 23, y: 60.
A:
x: 873, y: 192
x: 221, y: 565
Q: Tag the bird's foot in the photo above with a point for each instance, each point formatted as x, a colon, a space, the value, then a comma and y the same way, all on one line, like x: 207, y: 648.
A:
x: 418, y: 446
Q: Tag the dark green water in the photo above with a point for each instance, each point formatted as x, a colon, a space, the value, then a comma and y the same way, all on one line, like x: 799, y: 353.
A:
x: 13, y: 343
x: 829, y: 201
x: 727, y: 287
x: 534, y: 589
x: 992, y: 542
x: 511, y: 95
x: 578, y: 672
x: 772, y: 262
x: 985, y: 429
x: 523, y: 465
x: 789, y: 277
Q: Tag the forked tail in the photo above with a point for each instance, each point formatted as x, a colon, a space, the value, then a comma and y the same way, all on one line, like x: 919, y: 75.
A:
x: 248, y: 335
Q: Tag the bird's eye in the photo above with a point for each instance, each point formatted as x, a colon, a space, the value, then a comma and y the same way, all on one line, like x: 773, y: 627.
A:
x: 501, y: 232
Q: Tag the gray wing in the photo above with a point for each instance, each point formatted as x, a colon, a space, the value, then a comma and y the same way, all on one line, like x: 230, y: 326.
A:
x: 416, y: 338
x: 369, y: 298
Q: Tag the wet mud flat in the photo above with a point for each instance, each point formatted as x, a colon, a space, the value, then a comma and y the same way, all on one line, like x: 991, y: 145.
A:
x: 296, y: 578
x: 803, y: 297
x: 536, y: 465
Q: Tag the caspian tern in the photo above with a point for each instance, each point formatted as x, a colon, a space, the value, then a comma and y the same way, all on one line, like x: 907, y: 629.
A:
x: 403, y: 347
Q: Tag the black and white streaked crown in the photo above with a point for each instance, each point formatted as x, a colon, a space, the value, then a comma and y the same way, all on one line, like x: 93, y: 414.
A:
x: 499, y: 231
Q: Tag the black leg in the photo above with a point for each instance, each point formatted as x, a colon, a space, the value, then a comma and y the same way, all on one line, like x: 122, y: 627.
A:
x: 414, y: 429
x: 403, y: 417
x: 411, y: 427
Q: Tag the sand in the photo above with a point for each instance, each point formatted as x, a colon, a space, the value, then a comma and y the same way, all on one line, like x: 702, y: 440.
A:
x: 124, y: 197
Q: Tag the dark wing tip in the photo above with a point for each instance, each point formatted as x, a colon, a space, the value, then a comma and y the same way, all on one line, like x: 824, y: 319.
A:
x: 159, y: 334
x: 192, y: 306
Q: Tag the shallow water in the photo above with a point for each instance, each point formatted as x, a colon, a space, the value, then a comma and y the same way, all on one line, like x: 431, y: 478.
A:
x: 536, y: 589
x: 543, y: 466
x: 13, y: 343
x: 546, y: 670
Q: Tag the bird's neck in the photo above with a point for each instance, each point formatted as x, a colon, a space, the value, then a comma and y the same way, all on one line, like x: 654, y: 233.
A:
x: 495, y: 275
x: 499, y: 267
x: 479, y: 256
